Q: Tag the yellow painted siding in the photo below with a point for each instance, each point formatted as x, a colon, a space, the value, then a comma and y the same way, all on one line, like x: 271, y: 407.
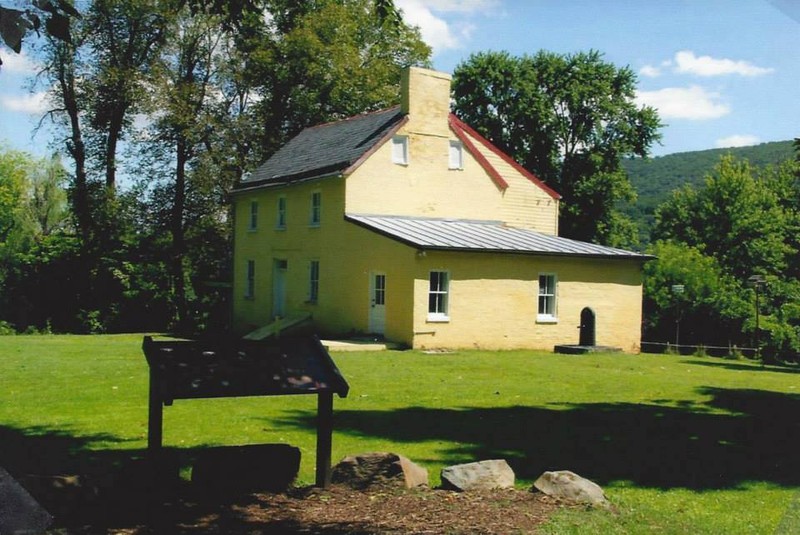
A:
x: 524, y: 203
x: 493, y: 298
x: 344, y: 280
x: 423, y: 188
x: 493, y: 301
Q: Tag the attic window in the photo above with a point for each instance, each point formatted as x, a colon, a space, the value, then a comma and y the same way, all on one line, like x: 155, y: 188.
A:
x: 400, y: 150
x: 456, y: 155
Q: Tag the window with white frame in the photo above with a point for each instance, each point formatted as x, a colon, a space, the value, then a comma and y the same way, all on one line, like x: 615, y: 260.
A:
x: 250, y: 281
x: 316, y: 209
x: 456, y: 155
x: 400, y: 150
x: 253, y: 223
x: 547, y: 297
x: 280, y: 221
x: 313, y: 281
x: 438, y: 296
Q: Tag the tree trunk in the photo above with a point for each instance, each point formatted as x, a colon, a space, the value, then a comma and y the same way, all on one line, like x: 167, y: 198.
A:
x: 65, y: 73
x: 178, y: 240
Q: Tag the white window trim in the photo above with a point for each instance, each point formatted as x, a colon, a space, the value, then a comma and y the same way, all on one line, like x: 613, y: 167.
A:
x: 439, y: 317
x: 547, y: 318
x: 315, y: 215
x: 455, y: 145
x: 252, y: 221
x: 278, y: 224
x: 404, y: 157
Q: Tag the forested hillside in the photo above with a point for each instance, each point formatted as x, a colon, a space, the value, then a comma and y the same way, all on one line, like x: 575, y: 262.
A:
x: 654, y: 179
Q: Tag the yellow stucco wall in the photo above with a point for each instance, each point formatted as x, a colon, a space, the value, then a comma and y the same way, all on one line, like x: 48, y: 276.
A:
x: 493, y: 301
x: 426, y: 187
x: 347, y: 256
x: 492, y: 297
x: 523, y: 204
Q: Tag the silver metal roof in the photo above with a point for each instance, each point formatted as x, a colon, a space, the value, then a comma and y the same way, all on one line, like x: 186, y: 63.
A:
x: 482, y: 236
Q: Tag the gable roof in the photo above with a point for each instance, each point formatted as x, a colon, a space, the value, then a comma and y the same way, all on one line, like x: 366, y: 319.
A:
x: 466, y: 133
x: 482, y: 236
x: 338, y: 147
x: 326, y: 149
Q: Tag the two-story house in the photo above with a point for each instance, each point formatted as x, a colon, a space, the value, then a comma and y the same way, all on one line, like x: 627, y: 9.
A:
x: 407, y: 223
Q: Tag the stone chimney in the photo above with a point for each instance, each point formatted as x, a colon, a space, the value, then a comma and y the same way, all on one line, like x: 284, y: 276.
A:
x: 425, y: 97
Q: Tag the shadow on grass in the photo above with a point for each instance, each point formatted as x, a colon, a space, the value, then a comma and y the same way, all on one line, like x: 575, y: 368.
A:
x: 105, y: 491
x: 733, y: 366
x: 689, y: 446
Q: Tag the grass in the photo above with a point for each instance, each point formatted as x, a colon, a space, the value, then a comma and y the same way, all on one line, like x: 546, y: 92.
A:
x: 680, y: 444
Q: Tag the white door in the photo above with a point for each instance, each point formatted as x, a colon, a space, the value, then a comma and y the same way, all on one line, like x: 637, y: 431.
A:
x: 377, y: 303
x: 279, y: 288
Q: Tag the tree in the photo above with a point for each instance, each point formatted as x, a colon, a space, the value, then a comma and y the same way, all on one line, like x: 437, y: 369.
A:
x: 711, y: 310
x: 124, y: 38
x: 323, y: 61
x: 569, y: 119
x: 15, y: 24
x: 736, y: 218
x: 742, y: 222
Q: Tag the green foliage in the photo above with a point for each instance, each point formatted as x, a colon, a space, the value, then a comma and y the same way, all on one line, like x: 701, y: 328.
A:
x: 743, y: 221
x: 654, y: 179
x: 722, y: 432
x: 223, y: 87
x: 323, y: 61
x: 569, y: 119
x: 733, y: 218
x: 711, y: 309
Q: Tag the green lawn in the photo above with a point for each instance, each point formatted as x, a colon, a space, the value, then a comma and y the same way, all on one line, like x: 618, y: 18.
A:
x: 681, y: 444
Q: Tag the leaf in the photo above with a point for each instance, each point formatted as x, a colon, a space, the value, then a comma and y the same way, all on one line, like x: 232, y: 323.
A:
x: 58, y: 26
x: 14, y: 24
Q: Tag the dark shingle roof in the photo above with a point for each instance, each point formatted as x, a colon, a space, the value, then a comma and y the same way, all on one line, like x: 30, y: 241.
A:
x: 324, y: 149
x: 482, y: 236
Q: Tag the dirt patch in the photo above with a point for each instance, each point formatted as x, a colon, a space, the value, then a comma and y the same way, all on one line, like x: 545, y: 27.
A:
x: 341, y: 510
x: 335, y: 511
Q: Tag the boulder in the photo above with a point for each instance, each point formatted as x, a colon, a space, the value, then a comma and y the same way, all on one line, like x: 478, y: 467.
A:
x: 379, y: 469
x: 570, y: 486
x: 261, y: 467
x: 482, y: 475
x: 19, y: 511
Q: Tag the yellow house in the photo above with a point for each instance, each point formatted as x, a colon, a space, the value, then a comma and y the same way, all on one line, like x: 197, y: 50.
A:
x: 407, y: 223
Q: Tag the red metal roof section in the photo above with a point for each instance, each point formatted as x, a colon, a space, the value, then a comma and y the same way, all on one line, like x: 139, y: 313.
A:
x: 462, y: 129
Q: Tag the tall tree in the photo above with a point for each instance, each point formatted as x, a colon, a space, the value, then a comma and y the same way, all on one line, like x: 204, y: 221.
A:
x: 187, y: 82
x: 569, y: 119
x: 124, y: 38
x: 322, y: 61
x: 736, y: 217
x: 63, y: 69
x: 743, y: 221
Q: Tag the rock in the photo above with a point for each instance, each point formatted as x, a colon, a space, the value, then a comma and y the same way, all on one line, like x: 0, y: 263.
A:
x: 378, y: 469
x: 260, y: 467
x: 19, y: 511
x: 570, y: 486
x: 483, y: 475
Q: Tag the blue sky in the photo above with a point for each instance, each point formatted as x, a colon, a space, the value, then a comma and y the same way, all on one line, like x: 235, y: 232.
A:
x: 721, y: 73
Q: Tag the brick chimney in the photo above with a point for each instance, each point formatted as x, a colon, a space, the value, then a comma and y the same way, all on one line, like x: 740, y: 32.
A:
x: 425, y: 97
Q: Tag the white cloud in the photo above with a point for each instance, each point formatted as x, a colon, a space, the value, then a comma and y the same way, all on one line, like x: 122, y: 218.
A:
x: 687, y: 62
x: 435, y: 31
x: 17, y: 63
x: 650, y: 71
x: 461, y: 6
x: 739, y: 140
x: 439, y: 33
x: 692, y: 103
x: 35, y: 103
